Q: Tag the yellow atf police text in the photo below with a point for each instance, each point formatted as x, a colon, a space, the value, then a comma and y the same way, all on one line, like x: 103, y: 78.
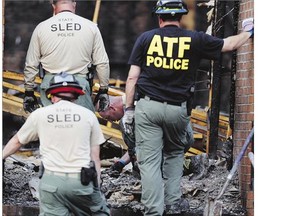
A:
x: 167, y: 62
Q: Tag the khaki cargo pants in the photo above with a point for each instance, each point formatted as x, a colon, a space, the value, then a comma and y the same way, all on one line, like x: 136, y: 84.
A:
x: 161, y: 130
x: 63, y: 195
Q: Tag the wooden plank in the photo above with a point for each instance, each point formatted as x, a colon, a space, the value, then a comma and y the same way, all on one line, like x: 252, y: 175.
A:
x: 188, y: 154
x: 96, y: 11
x: 12, y: 97
x: 18, y: 76
x: 198, y: 118
x: 111, y: 91
x: 202, y: 115
x: 13, y: 107
x: 198, y: 136
x: 199, y: 122
x: 194, y: 151
x: 114, y: 82
x: 114, y: 135
x: 18, y: 88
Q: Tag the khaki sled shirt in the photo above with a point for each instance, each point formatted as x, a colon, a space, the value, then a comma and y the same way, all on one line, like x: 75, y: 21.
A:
x: 69, y: 43
x: 66, y: 131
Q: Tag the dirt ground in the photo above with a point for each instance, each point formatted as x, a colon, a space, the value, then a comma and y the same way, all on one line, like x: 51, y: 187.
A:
x: 124, y: 191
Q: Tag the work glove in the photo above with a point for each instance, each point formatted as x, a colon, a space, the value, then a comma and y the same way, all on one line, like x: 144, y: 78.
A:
x: 128, y: 120
x: 136, y: 170
x: 118, y: 166
x: 248, y: 26
x: 30, y: 102
x: 103, y: 99
x: 129, y: 139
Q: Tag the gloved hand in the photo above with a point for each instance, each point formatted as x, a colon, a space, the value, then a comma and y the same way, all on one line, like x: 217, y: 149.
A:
x: 129, y: 139
x: 30, y: 102
x: 248, y: 25
x: 118, y: 166
x: 128, y: 120
x: 103, y: 99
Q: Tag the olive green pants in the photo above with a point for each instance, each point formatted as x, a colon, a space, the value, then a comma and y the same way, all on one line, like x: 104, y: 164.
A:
x: 161, y: 132
x: 63, y: 195
x: 83, y: 100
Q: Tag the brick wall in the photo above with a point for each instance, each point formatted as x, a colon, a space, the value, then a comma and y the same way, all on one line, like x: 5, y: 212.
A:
x: 244, y: 109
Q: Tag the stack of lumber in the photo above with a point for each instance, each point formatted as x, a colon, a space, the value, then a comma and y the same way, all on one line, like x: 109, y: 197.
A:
x: 199, y: 117
x: 200, y: 122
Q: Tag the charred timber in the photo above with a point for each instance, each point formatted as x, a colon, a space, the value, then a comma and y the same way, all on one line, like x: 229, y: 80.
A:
x: 218, y: 31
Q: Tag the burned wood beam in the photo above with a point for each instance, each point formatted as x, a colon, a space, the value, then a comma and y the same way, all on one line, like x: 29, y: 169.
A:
x: 17, y: 76
x: 17, y: 88
x: 13, y: 107
x: 233, y: 78
x: 218, y: 31
x: 234, y: 65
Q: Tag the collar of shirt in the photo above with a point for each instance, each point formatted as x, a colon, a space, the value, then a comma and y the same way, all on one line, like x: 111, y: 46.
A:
x: 170, y: 26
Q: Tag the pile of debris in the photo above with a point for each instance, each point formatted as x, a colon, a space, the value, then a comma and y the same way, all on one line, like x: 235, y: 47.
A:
x: 123, y: 191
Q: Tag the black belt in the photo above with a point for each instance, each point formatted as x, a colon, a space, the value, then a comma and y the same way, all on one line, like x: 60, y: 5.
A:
x: 167, y: 102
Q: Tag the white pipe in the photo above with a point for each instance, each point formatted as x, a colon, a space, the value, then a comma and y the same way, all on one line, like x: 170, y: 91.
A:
x: 251, y: 157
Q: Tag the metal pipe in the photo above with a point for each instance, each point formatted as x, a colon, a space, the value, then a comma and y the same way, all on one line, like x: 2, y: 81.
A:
x: 251, y: 158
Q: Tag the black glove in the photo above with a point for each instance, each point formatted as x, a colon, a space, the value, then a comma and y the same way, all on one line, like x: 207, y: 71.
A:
x: 129, y: 139
x: 103, y: 99
x: 118, y: 166
x: 30, y: 102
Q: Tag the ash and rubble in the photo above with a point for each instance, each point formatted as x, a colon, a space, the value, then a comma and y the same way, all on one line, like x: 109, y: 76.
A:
x: 123, y: 191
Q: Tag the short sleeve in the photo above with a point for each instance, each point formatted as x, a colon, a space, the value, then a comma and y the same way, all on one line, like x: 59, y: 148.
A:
x: 209, y: 47
x: 97, y: 137
x: 29, y: 131
x: 136, y: 57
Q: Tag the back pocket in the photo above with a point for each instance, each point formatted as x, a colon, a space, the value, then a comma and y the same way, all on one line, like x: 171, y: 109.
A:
x: 83, y: 191
x: 47, y: 193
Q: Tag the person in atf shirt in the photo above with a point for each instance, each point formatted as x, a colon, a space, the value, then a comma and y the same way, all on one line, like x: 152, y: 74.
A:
x: 163, y: 66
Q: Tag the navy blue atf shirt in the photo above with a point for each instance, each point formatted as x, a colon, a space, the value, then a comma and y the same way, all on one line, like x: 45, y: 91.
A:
x: 169, y: 58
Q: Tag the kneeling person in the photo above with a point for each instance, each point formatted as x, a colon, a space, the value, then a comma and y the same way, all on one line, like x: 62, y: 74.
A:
x: 70, y: 137
x: 115, y: 112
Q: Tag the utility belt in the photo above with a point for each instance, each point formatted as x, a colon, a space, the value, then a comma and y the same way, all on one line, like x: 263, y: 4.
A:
x: 164, y: 102
x: 89, y: 174
x: 89, y: 76
x: 86, y: 175
x: 76, y: 75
